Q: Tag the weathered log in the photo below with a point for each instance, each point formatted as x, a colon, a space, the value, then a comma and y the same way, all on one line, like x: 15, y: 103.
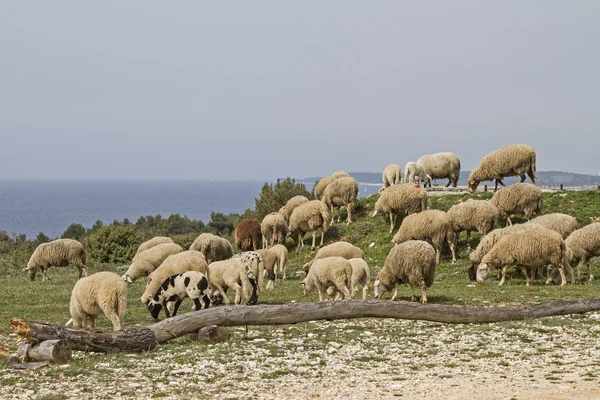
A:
x: 56, y: 351
x: 139, y: 339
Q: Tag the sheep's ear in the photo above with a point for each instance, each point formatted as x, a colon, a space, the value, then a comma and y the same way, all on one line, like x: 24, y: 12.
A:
x: 127, y: 279
x: 302, y: 283
x: 25, y: 269
x: 374, y: 214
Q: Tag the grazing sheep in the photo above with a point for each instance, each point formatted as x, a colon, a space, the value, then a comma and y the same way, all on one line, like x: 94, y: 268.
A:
x: 535, y: 248
x: 282, y: 257
x: 330, y: 271
x: 413, y: 263
x: 213, y: 247
x: 59, y: 253
x: 269, y: 258
x: 148, y: 260
x: 230, y: 274
x: 512, y: 160
x: 274, y: 229
x: 189, y: 260
x: 404, y: 199
x: 100, y: 293
x: 392, y: 175
x: 442, y: 165
x: 434, y: 225
x: 341, y: 192
x: 360, y: 276
x: 417, y: 174
x: 561, y: 223
x: 339, y: 174
x: 306, y: 218
x: 320, y: 187
x: 291, y: 204
x: 192, y: 284
x: 336, y: 249
x: 254, y: 265
x: 522, y: 199
x: 248, y: 235
x: 474, y: 215
x: 153, y: 242
x: 585, y: 244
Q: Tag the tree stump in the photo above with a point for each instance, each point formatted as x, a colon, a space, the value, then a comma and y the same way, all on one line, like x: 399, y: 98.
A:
x: 56, y: 351
x: 211, y: 333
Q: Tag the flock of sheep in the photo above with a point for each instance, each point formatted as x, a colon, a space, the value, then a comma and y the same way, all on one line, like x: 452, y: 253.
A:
x: 209, y: 268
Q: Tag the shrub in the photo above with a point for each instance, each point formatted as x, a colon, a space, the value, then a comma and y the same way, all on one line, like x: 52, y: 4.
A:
x: 113, y: 243
x: 273, y: 197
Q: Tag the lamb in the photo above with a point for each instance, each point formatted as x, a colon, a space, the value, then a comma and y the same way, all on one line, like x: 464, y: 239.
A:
x: 274, y: 229
x: 192, y: 284
x: 321, y: 186
x: 270, y: 260
x: 360, y: 275
x: 230, y: 274
x: 434, y: 225
x: 254, y: 264
x: 248, y: 235
x: 148, y: 260
x: 535, y: 248
x: 585, y: 244
x: 309, y: 217
x: 417, y: 174
x: 512, y: 160
x: 189, y: 260
x: 330, y: 271
x: 339, y: 249
x: 341, y: 192
x: 153, y: 242
x: 412, y: 262
x: 282, y: 257
x: 561, y: 223
x: 440, y: 166
x: 392, y: 175
x: 400, y: 199
x: 291, y: 204
x: 213, y: 247
x: 474, y: 215
x: 60, y: 253
x: 521, y: 199
x: 100, y: 293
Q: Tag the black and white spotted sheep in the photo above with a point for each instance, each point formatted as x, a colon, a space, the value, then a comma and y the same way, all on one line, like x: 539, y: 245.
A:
x: 255, y: 270
x: 192, y: 284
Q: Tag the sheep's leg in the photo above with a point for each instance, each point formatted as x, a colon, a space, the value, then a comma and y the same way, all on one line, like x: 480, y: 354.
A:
x: 412, y: 296
x: 354, y: 291
x: 468, y: 239
x: 344, y: 290
x: 590, y: 270
x: 423, y: 292
x: 449, y: 182
x: 452, y: 249
x: 437, y: 255
x: 349, y: 208
x: 569, y: 271
x: 365, y: 288
x: 508, y: 221
x: 395, y: 293
x: 206, y: 300
x: 222, y: 292
x: 238, y: 293
x: 314, y: 235
x: 91, y: 321
x: 392, y: 219
x: 339, y: 210
x: 524, y: 271
x: 177, y: 304
x: 45, y: 276
x: 320, y: 289
x: 332, y: 214
x: 164, y: 304
x: 111, y: 314
x: 522, y: 178
x: 563, y: 279
x: 581, y: 262
x: 504, y: 271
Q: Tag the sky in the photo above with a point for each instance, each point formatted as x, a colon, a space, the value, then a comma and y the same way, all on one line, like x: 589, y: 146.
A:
x: 266, y: 89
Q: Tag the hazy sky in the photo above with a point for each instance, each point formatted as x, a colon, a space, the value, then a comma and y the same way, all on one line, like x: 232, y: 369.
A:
x: 266, y: 89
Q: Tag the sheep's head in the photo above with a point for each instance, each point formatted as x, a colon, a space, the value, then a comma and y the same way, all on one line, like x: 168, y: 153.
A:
x: 306, y: 285
x: 154, y: 307
x: 31, y: 271
x: 482, y: 272
x: 380, y: 286
x: 472, y: 271
x: 472, y: 185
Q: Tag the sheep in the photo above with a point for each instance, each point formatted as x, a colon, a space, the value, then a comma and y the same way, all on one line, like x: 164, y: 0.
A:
x: 535, y: 248
x: 400, y: 199
x: 274, y: 229
x: 320, y: 187
x: 440, y: 166
x: 189, y: 260
x: 417, y: 174
x: 341, y: 192
x: 282, y: 257
x: 512, y: 160
x: 585, y: 244
x: 561, y: 223
x: 434, y: 225
x: 60, y: 253
x: 148, y: 260
x: 255, y: 266
x: 474, y: 215
x: 230, y: 274
x: 248, y: 235
x: 100, y: 293
x: 339, y: 174
x: 521, y: 199
x: 291, y: 204
x: 360, y: 275
x: 330, y: 271
x: 213, y: 247
x: 412, y: 262
x: 153, y: 242
x: 270, y: 260
x: 339, y: 249
x: 192, y: 284
x: 309, y: 217
x: 392, y: 175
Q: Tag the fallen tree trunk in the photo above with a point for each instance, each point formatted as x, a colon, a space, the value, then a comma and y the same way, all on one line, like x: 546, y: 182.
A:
x: 140, y: 339
x: 56, y: 351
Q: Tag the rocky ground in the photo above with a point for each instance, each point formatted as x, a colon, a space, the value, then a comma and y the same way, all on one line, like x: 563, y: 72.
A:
x: 550, y: 358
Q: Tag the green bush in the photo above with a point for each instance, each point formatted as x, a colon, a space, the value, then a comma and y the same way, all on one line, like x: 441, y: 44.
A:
x: 74, y: 231
x: 113, y: 244
x: 273, y: 197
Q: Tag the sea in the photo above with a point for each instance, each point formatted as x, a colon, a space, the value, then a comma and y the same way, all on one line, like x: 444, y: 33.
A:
x: 50, y: 206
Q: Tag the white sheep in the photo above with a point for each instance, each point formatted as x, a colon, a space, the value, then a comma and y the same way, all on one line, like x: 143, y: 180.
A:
x: 441, y: 166
x: 291, y: 204
x: 230, y: 274
x: 391, y: 175
x: 321, y: 186
x: 325, y: 272
x: 412, y: 262
x: 512, y: 160
x: 339, y: 174
x: 282, y: 258
x: 148, y: 260
x: 153, y: 242
x: 274, y: 229
x: 521, y: 199
x: 585, y: 244
x: 192, y: 284
x: 254, y: 264
x: 309, y: 217
x: 336, y: 249
x: 100, y: 293
x: 360, y: 276
x: 434, y: 225
x: 558, y: 222
x: 474, y: 215
x: 342, y: 192
x: 404, y: 199
x: 417, y: 174
x: 59, y: 253
x: 213, y: 247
